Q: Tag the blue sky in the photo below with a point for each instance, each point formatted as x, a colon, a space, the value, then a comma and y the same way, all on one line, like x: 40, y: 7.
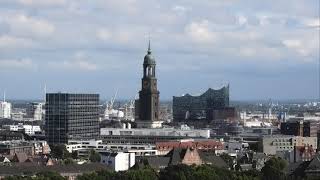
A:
x: 264, y: 49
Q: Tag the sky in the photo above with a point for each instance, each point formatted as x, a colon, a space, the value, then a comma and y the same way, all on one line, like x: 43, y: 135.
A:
x: 263, y: 49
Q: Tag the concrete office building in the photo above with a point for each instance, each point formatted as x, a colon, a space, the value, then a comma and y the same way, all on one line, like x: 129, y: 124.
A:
x: 273, y: 144
x: 71, y: 116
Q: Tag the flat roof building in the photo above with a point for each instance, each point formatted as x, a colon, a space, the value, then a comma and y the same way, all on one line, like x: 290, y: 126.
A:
x: 71, y: 116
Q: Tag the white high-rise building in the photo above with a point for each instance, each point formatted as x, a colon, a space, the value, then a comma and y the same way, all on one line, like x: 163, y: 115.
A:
x: 5, y: 109
x: 35, y: 111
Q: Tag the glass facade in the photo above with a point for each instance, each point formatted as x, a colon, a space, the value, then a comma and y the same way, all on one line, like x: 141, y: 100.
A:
x: 196, y: 107
x: 71, y: 116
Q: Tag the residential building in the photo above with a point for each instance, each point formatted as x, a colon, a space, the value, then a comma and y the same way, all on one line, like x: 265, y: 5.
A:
x: 71, y: 116
x: 187, y: 156
x: 10, y: 148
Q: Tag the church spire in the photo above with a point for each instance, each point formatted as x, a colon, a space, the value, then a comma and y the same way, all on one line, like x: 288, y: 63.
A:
x: 149, y: 48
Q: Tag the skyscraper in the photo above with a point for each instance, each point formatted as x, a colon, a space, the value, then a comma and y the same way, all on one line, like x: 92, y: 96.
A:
x: 71, y: 116
x: 148, y: 103
x: 5, y: 108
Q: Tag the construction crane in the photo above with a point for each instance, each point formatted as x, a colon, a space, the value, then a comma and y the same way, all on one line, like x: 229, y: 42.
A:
x: 129, y: 107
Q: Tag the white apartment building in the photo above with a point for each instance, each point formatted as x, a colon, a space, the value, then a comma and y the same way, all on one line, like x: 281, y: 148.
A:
x: 28, y: 129
x: 119, y: 161
x: 83, y: 147
x: 5, y: 109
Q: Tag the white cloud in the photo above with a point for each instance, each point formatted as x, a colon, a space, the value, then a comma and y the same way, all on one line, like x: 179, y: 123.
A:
x: 312, y: 22
x: 16, y: 64
x: 200, y: 32
x: 82, y: 65
x: 180, y: 9
x: 9, y: 42
x: 23, y: 25
x: 104, y: 34
x: 78, y: 62
x: 42, y: 2
x: 242, y: 20
x: 307, y: 45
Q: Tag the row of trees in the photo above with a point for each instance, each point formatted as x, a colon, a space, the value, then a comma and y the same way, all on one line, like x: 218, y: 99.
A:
x: 274, y: 169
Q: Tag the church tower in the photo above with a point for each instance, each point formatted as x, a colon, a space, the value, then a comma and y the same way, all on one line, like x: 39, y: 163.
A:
x: 148, y: 103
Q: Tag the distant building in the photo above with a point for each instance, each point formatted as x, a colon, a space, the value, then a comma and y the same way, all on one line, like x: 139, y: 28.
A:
x: 28, y: 129
x: 35, y: 111
x: 273, y: 144
x: 10, y: 148
x: 6, y: 135
x: 205, y: 106
x: 189, y: 133
x: 71, y: 116
x: 119, y: 161
x: 300, y: 128
x: 5, y: 110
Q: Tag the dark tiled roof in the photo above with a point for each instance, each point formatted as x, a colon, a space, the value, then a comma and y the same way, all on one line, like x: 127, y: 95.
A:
x: 211, y: 158
x: 314, y: 163
x: 156, y: 162
x: 176, y: 155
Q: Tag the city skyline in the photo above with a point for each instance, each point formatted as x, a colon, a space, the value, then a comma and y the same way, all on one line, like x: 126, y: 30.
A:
x: 263, y: 49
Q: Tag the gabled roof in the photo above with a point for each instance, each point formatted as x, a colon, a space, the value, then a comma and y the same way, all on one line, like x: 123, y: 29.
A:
x: 314, y: 163
x: 20, y: 157
x: 156, y: 162
x: 211, y: 158
x: 4, y: 159
x: 176, y: 155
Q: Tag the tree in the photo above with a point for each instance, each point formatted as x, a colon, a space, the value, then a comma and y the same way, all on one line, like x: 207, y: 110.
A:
x: 75, y: 155
x: 228, y: 159
x: 94, y: 156
x: 274, y: 169
x: 59, y: 151
x: 48, y: 175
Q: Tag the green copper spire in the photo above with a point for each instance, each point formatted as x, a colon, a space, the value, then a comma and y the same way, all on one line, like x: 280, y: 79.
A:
x: 149, y: 48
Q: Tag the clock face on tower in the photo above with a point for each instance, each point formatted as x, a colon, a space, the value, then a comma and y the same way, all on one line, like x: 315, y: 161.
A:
x: 145, y: 84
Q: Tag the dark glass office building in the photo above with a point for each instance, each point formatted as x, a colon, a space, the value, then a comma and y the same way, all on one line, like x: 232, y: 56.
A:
x: 71, y: 116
